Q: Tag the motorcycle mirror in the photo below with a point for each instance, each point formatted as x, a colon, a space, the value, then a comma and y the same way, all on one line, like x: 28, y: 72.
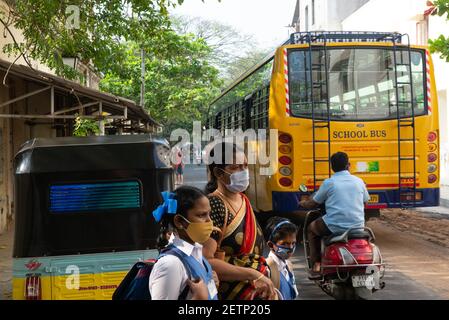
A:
x: 303, y: 188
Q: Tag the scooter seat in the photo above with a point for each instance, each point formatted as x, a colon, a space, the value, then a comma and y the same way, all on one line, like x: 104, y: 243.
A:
x: 350, y: 234
x: 336, y: 238
x: 359, y: 234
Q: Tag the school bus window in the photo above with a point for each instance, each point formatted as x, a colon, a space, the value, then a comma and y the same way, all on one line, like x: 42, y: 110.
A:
x: 360, y: 84
x: 233, y: 101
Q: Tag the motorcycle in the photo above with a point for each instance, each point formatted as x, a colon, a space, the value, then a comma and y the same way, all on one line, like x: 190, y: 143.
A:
x: 352, y: 267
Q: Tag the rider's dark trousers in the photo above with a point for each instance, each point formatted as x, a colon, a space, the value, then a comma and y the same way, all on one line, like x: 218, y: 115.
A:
x: 317, y: 229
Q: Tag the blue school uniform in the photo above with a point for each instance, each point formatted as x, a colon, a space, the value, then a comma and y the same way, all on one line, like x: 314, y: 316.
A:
x: 195, y: 269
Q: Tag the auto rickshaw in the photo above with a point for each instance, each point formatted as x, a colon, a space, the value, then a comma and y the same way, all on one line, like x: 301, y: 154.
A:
x: 83, y: 213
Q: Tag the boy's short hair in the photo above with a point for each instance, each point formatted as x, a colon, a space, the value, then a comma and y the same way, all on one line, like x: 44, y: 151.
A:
x: 278, y: 228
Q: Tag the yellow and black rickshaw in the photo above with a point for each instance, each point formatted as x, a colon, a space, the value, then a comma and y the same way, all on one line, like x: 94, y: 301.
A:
x: 83, y: 213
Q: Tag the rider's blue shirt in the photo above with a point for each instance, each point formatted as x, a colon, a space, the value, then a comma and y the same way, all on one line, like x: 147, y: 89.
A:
x: 344, y: 196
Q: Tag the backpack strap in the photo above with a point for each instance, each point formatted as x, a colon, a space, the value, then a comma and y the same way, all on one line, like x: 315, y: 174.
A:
x: 289, y: 265
x: 172, y: 250
x: 180, y: 255
x: 274, y: 272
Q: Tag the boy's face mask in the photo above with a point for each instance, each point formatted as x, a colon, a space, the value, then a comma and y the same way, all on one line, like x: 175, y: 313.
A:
x: 283, y: 252
x: 199, y: 231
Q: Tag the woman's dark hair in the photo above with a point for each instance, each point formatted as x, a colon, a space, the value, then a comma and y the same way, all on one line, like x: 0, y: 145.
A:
x: 222, y: 148
x: 281, y: 232
x: 186, y: 198
x: 339, y: 161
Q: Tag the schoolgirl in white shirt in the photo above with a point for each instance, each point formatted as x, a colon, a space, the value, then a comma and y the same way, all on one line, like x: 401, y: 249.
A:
x: 181, y: 271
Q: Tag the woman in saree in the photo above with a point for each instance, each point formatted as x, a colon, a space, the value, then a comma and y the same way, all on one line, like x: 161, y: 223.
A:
x: 243, y: 270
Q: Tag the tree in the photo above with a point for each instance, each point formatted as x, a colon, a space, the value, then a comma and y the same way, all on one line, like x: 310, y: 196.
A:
x: 93, y: 30
x: 441, y: 44
x: 242, y: 64
x: 179, y: 80
x: 85, y: 127
x: 232, y: 52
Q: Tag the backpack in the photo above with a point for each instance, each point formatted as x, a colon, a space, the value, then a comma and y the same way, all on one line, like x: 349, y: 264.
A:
x: 135, y: 285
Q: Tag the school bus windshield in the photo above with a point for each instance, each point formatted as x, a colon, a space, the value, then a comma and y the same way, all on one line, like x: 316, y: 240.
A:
x: 360, y: 83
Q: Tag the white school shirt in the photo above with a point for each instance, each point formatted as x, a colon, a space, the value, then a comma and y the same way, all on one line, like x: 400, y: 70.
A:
x: 168, y: 277
x: 283, y: 268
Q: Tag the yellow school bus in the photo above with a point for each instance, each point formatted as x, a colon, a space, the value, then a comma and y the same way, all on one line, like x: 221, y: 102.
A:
x: 369, y: 94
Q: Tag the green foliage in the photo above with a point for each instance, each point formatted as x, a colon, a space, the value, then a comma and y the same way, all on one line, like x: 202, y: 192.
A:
x: 98, y: 35
x: 85, y: 127
x: 441, y: 44
x: 179, y: 81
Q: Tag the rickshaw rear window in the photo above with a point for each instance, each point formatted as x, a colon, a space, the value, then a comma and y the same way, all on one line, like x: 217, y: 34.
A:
x: 91, y: 197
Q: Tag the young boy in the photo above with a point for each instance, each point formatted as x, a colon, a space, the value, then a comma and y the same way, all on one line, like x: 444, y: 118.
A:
x: 281, y: 234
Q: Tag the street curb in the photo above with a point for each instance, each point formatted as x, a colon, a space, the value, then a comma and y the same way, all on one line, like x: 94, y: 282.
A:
x: 444, y: 202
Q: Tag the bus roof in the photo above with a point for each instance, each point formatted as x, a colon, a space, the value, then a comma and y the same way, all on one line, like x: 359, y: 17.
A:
x: 243, y: 76
x: 319, y: 37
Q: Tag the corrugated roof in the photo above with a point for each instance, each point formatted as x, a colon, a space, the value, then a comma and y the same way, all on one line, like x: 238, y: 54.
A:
x: 68, y: 85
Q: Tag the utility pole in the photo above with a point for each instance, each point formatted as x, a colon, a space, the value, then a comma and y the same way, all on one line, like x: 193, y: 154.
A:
x: 142, y: 85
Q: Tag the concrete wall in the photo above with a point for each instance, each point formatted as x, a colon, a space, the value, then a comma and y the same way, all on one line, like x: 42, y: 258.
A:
x: 328, y: 13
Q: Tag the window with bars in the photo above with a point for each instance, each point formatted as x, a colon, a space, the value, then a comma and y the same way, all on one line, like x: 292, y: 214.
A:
x: 259, y: 110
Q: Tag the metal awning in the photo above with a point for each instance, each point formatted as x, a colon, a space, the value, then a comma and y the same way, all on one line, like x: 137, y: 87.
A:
x: 84, y: 102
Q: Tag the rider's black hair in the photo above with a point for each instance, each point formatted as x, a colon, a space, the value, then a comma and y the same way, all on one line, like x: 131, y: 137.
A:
x: 339, y: 161
x: 281, y: 232
x: 186, y: 198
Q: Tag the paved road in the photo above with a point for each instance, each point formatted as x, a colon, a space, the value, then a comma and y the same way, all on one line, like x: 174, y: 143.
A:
x: 195, y: 175
x: 415, y: 268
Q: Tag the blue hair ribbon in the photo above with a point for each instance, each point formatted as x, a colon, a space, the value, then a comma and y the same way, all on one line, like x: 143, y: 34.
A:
x: 168, y: 207
x: 277, y: 227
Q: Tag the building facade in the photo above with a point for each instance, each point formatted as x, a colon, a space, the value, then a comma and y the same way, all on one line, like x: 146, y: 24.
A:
x: 405, y: 16
x: 323, y: 15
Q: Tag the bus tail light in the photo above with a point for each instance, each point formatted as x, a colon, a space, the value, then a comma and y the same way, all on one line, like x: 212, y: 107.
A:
x: 285, y: 182
x: 432, y: 147
x: 285, y: 149
x: 432, y: 157
x: 408, y: 196
x: 285, y: 138
x: 432, y: 178
x: 431, y: 168
x: 285, y: 160
x: 432, y: 137
x: 285, y: 171
x: 33, y: 289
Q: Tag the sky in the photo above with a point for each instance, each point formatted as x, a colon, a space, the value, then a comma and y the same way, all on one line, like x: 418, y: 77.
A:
x: 267, y: 20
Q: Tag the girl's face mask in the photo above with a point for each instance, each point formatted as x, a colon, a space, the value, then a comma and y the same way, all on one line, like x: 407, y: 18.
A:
x: 283, y: 252
x: 199, y: 231
x: 239, y: 181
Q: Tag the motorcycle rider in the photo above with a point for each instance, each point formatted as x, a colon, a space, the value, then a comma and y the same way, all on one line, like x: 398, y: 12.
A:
x: 344, y: 196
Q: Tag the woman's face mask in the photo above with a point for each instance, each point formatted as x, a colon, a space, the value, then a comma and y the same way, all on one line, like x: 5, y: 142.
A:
x: 199, y: 231
x: 239, y: 181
